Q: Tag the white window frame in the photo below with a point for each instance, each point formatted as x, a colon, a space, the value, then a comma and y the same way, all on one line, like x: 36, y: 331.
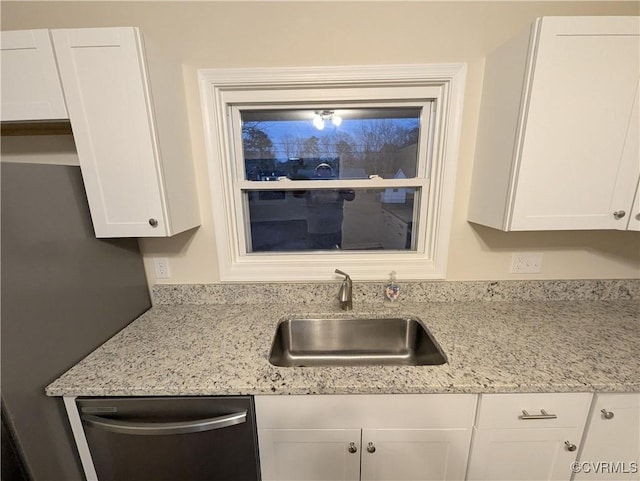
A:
x: 223, y: 89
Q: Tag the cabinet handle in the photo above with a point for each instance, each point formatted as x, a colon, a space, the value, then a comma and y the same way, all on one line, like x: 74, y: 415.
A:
x: 371, y: 448
x: 164, y: 428
x: 543, y: 415
x: 153, y: 222
x: 619, y: 214
x: 570, y: 446
x: 352, y: 448
x: 606, y: 414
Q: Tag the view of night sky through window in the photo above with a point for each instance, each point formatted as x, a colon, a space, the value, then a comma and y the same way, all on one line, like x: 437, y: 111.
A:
x: 287, y: 136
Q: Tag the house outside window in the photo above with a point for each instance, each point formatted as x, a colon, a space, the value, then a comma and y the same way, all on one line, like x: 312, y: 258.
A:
x: 317, y: 168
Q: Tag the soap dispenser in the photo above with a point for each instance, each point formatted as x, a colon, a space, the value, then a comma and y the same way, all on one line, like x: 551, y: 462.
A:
x: 392, y: 292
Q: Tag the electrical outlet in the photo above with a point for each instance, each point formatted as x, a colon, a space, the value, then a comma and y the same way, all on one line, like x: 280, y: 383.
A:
x: 161, y: 265
x: 526, y: 262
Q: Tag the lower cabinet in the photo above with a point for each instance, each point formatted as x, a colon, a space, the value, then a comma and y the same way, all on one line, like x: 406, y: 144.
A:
x: 529, y: 454
x: 527, y: 436
x: 611, y: 446
x: 380, y: 437
x: 490, y: 437
x: 309, y: 454
x: 414, y: 454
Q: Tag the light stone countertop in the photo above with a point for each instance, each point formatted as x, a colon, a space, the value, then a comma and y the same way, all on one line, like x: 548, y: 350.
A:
x: 492, y: 347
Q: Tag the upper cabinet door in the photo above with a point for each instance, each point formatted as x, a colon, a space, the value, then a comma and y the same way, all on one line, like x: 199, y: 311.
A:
x: 631, y: 155
x: 557, y: 149
x: 580, y: 104
x: 137, y: 186
x: 634, y: 219
x: 31, y: 87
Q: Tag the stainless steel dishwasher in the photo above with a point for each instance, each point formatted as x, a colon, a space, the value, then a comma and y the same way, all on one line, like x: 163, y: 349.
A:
x: 172, y: 438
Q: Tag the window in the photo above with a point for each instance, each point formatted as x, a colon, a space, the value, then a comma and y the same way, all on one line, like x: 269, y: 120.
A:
x: 318, y: 168
x: 330, y: 145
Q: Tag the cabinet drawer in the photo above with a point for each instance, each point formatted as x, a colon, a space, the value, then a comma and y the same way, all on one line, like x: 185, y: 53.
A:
x: 410, y: 411
x: 505, y: 411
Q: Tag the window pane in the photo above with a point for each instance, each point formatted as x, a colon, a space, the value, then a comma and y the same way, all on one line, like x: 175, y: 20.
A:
x: 327, y: 219
x: 333, y: 144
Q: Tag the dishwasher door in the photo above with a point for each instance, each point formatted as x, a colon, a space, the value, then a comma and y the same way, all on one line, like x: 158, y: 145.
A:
x: 172, y: 438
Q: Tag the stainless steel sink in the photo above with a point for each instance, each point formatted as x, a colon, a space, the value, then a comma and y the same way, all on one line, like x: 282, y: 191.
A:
x: 396, y: 341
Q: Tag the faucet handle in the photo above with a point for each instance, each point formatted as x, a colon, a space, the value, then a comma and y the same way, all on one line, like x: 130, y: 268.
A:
x: 338, y: 271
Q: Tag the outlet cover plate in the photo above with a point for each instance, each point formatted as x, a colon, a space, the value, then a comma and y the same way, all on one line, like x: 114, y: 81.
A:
x: 161, y: 266
x: 526, y: 262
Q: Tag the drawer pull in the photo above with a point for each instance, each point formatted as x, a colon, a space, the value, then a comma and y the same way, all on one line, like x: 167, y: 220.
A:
x: 570, y: 446
x: 543, y: 415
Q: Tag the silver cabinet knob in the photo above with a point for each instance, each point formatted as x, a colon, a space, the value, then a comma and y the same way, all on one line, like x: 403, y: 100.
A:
x: 619, y: 214
x: 570, y: 446
x: 352, y: 448
x: 606, y: 414
x: 371, y: 448
x: 153, y: 222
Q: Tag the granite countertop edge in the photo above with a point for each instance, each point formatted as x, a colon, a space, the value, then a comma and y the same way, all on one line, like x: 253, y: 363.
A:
x: 492, y: 347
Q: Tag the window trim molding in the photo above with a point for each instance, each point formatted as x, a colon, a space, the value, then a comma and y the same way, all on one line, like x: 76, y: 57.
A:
x: 235, y: 267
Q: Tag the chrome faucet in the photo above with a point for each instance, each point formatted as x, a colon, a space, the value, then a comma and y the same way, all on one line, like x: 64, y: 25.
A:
x: 345, y: 295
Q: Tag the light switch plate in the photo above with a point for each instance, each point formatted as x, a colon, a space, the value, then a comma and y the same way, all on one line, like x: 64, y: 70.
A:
x: 526, y: 262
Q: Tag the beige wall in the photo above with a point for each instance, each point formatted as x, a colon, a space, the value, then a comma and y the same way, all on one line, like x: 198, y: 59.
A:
x: 39, y: 149
x: 258, y: 34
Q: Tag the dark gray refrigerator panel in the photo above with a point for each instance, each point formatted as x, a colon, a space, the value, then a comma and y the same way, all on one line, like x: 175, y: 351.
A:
x: 64, y: 293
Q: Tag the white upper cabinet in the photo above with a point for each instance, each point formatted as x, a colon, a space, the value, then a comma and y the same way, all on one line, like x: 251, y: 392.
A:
x: 632, y: 149
x: 127, y: 109
x: 634, y: 219
x: 31, y: 87
x: 557, y: 144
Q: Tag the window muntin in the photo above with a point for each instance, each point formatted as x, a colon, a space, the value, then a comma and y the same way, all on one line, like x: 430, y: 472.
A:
x: 439, y: 86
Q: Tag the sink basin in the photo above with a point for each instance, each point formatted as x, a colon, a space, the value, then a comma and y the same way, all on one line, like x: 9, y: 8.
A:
x: 398, y: 341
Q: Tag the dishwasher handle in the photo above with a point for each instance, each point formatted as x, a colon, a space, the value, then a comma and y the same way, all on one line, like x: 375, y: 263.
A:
x: 160, y: 428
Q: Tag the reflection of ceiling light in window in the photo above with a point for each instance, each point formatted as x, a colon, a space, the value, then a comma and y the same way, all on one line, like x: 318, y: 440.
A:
x: 320, y: 117
x: 318, y: 122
